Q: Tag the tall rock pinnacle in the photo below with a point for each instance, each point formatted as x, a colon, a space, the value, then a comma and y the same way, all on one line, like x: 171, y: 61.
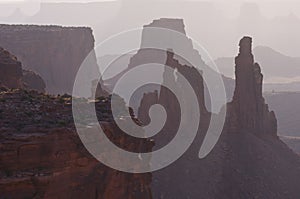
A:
x: 252, y: 113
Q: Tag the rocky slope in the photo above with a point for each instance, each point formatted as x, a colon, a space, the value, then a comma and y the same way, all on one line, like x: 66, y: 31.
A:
x: 41, y: 155
x: 54, y: 52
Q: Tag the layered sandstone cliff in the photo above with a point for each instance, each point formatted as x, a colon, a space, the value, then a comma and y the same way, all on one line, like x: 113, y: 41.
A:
x: 54, y: 52
x: 41, y: 155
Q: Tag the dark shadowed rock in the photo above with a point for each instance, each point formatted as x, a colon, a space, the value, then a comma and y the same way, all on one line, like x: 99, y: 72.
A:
x: 248, y: 105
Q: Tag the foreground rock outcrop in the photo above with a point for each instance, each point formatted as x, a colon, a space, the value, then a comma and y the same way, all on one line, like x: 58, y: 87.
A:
x: 41, y: 155
x: 53, y: 52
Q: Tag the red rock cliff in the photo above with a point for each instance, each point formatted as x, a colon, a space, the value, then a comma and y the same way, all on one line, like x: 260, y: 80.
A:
x: 41, y: 155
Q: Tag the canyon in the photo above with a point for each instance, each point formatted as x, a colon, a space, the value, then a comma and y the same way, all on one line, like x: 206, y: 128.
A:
x: 42, y: 155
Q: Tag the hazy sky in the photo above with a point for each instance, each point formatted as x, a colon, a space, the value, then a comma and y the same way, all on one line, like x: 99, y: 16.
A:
x: 269, y: 8
x: 229, y: 7
x: 218, y: 25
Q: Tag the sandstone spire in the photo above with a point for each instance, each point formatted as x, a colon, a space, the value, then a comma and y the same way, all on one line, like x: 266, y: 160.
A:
x: 252, y: 113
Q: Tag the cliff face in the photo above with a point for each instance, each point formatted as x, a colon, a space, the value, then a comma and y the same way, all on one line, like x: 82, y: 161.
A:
x: 54, y: 52
x: 13, y: 76
x: 41, y: 155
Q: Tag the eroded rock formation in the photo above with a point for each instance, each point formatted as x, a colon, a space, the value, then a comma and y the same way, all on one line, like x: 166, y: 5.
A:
x: 157, y: 37
x: 248, y: 161
x: 42, y: 156
x: 165, y: 97
x: 248, y: 107
x: 53, y: 52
